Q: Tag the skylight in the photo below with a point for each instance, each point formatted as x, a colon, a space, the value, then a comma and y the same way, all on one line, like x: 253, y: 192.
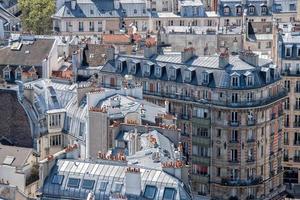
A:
x: 169, y: 193
x: 150, y: 192
x: 88, y: 184
x: 57, y: 179
x: 73, y: 182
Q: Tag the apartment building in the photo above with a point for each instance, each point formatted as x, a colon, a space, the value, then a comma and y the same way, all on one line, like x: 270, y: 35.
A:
x: 232, y: 136
x: 288, y: 56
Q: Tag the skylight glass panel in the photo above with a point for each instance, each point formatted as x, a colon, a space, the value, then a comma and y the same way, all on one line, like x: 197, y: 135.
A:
x: 73, y: 182
x: 169, y: 194
x: 103, y: 186
x: 150, y: 192
x: 88, y: 184
x: 57, y: 179
x: 118, y: 187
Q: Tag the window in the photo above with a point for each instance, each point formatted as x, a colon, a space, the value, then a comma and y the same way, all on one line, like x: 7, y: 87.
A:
x: 234, y: 97
x: 288, y: 51
x: 92, y: 12
x: 172, y: 72
x: 250, y: 96
x: 120, y: 66
x: 218, y: 151
x: 150, y: 192
x: 239, y: 10
x: 169, y: 193
x: 133, y: 69
x: 226, y: 10
x: 234, y: 81
x: 6, y: 75
x: 55, y: 140
x: 144, y: 11
x: 81, y: 129
x: 264, y: 10
x: 18, y: 75
x: 88, y: 184
x: 234, y: 116
x: 57, y: 179
x: 251, y: 10
x: 103, y: 186
x: 296, y: 138
x: 219, y: 133
x: 249, y: 80
x: 234, y: 155
x: 117, y: 187
x: 234, y: 135
x: 157, y: 71
x: 92, y: 26
x: 188, y: 75
x: 73, y: 182
x: 146, y: 69
x: 135, y: 11
x: 218, y: 171
x: 80, y: 24
x: 292, y: 7
x: 100, y: 26
x: 205, y: 78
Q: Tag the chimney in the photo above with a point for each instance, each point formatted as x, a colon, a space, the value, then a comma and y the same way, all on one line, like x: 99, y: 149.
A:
x: 187, y: 54
x: 133, y: 181
x: 75, y: 65
x: 73, y: 4
x: 167, y: 106
x: 249, y: 57
x: 150, y: 48
x: 224, y: 59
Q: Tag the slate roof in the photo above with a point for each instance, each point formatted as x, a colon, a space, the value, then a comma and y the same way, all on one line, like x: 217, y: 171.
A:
x: 106, y: 176
x: 220, y: 77
x: 28, y: 55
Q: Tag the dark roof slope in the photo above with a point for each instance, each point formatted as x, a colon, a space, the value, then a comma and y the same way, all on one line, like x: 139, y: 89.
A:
x: 36, y: 53
x: 14, y: 124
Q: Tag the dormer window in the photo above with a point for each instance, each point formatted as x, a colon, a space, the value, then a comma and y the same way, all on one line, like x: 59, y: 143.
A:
x: 158, y: 71
x: 120, y: 66
x: 268, y: 76
x: 226, y: 10
x: 238, y: 9
x: 264, y: 9
x: 18, y: 75
x: 235, y: 80
x: 172, y: 72
x: 251, y: 10
x: 146, y: 69
x: 205, y: 78
x: 188, y: 75
x: 288, y: 51
x: 6, y: 75
x: 249, y: 80
x: 133, y: 68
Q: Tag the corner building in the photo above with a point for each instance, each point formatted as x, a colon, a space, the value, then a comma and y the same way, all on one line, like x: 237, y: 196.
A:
x: 229, y: 110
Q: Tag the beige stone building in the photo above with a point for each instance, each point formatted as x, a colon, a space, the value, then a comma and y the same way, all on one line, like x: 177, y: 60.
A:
x: 232, y: 137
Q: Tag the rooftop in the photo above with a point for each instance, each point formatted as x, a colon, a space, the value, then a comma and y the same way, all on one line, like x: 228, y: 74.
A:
x: 75, y: 179
x: 14, y: 156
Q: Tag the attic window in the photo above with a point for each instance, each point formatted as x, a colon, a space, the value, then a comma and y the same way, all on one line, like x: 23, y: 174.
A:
x: 288, y: 51
x: 172, y: 72
x: 249, y: 80
x: 6, y: 75
x: 92, y: 12
x: 146, y: 69
x: 238, y: 9
x: 251, y: 10
x: 226, y: 10
x: 120, y: 66
x: 157, y: 71
x: 133, y: 68
x: 235, y: 81
x: 188, y: 75
x: 264, y: 9
x: 150, y: 192
x: 135, y: 11
x: 205, y: 78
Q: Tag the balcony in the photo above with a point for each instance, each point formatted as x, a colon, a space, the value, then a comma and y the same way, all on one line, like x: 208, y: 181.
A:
x: 200, y: 160
x: 234, y: 161
x: 250, y: 140
x: 296, y: 124
x: 234, y: 123
x: 241, y: 182
x: 297, y: 142
x: 200, y: 178
x: 285, y: 158
x: 296, y: 159
x: 286, y: 142
x: 250, y: 160
x: 241, y: 104
x: 251, y: 122
x: 234, y: 141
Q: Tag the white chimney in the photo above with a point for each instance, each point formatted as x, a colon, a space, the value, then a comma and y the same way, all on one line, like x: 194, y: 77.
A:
x: 75, y: 64
x: 167, y: 105
x: 133, y: 181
